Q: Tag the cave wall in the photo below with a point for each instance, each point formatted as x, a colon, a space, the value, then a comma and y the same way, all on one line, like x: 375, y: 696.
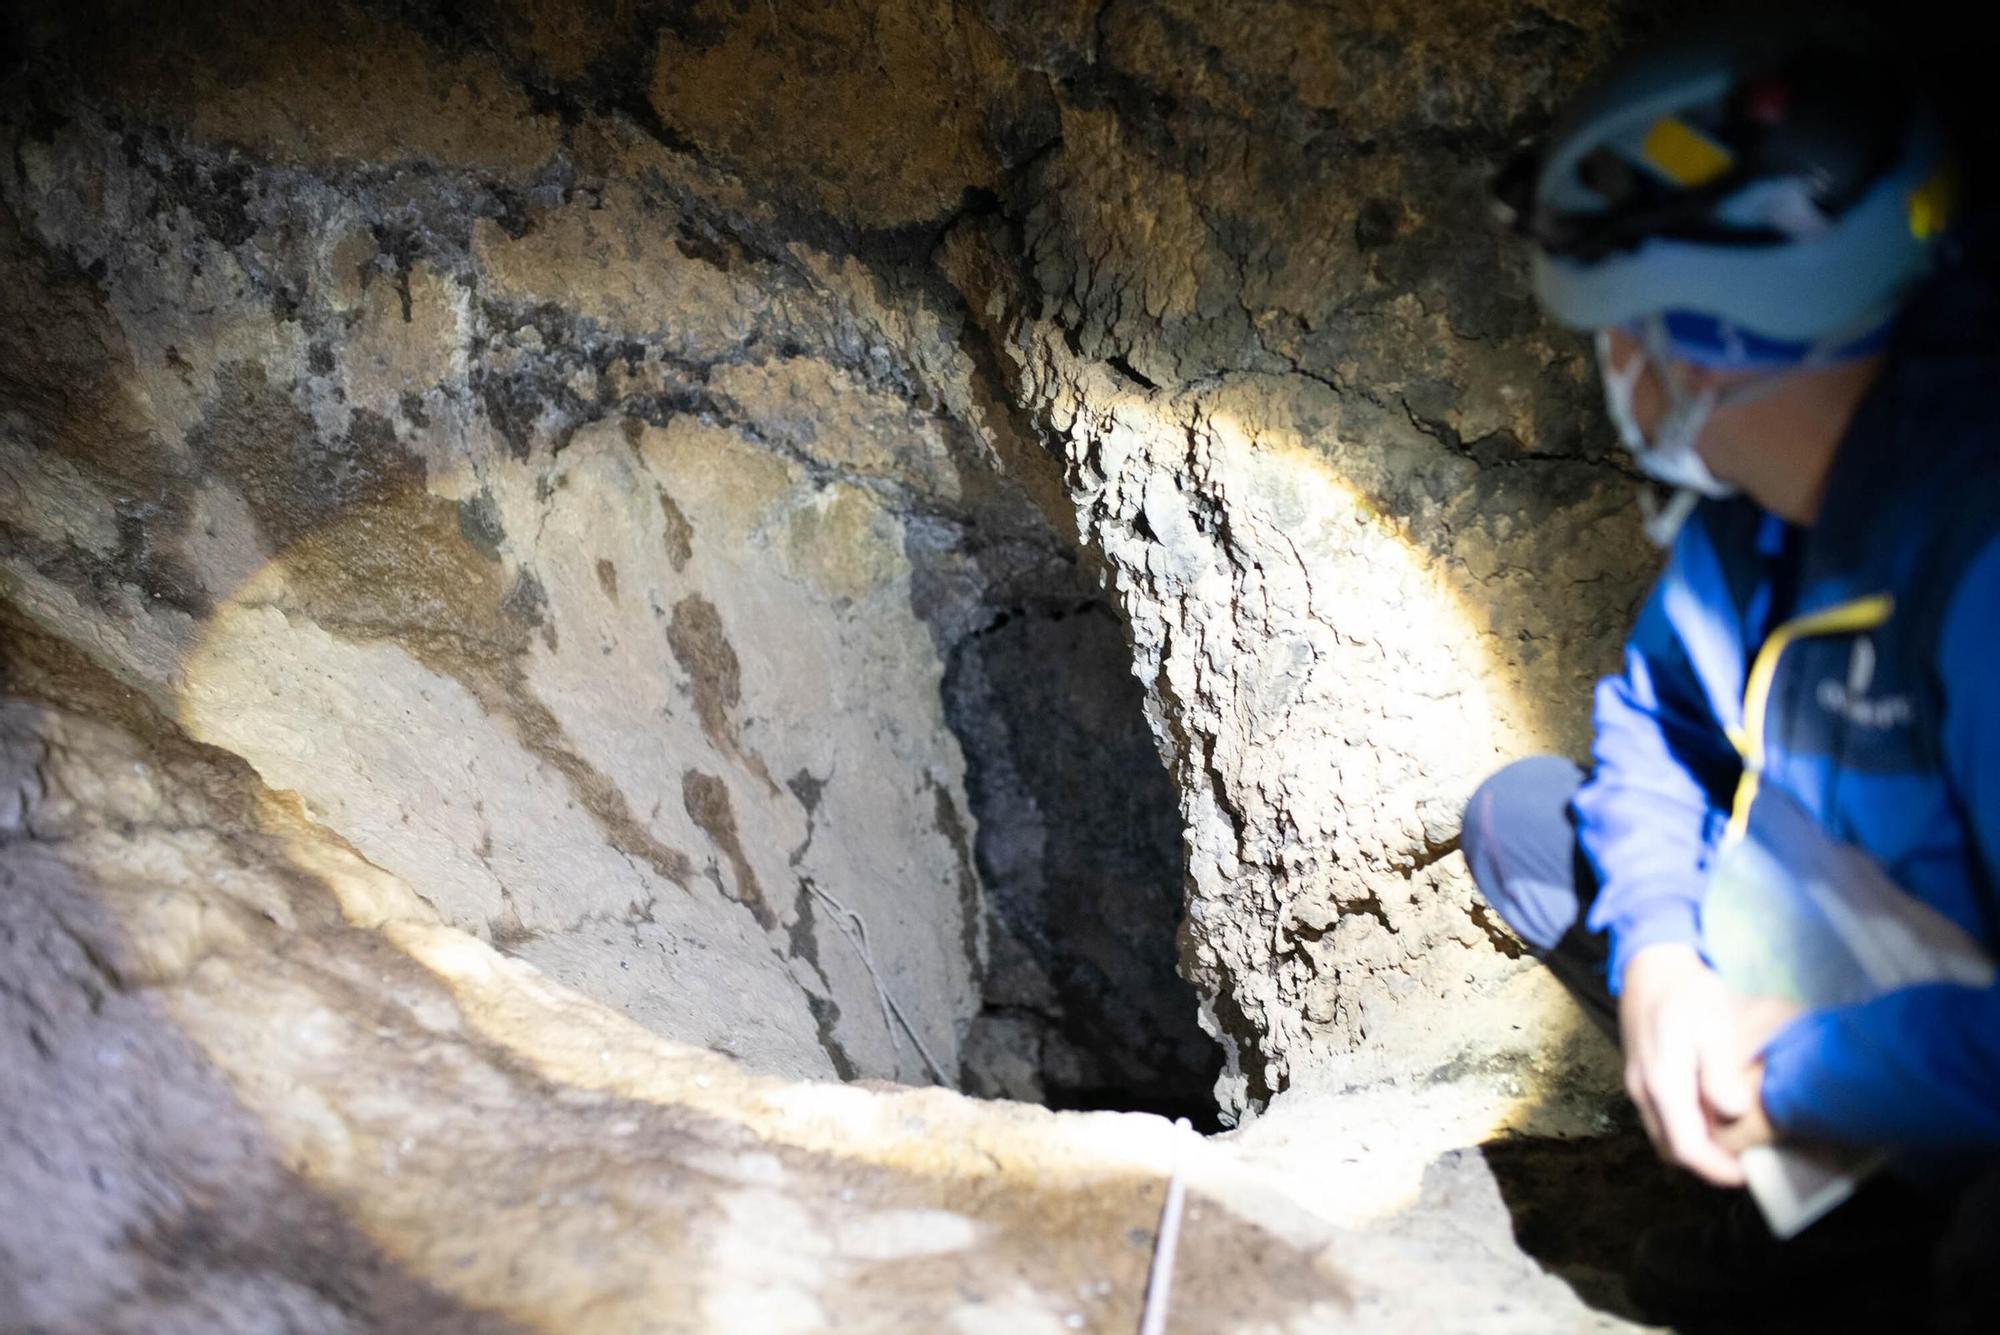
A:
x: 437, y: 450
x: 387, y: 378
x: 516, y: 515
x: 1359, y: 509
x: 255, y: 1083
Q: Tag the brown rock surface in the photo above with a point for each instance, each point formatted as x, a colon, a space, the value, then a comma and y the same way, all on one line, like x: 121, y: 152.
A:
x: 547, y: 548
x: 1346, y: 484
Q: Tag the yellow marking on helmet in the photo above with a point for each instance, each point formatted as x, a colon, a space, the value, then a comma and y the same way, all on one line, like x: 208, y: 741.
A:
x: 1683, y: 154
x: 1932, y: 204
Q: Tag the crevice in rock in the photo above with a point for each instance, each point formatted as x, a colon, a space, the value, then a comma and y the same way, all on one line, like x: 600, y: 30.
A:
x: 1079, y: 848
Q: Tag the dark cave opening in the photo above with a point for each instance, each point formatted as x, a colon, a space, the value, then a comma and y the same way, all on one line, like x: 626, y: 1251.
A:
x: 1079, y: 848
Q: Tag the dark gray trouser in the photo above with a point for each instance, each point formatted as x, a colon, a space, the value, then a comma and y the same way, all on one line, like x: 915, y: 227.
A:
x: 1520, y: 843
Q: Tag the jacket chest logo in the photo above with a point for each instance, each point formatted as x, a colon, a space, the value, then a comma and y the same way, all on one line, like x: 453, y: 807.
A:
x: 1849, y: 699
x: 1856, y: 617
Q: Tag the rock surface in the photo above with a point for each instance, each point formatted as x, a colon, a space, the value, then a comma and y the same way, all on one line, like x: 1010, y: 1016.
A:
x: 259, y: 1085
x: 546, y: 545
x: 1353, y: 497
x: 564, y: 564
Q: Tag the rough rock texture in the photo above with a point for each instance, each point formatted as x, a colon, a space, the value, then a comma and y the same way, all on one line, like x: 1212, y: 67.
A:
x: 543, y: 542
x: 256, y: 1084
x: 1352, y: 494
x: 489, y: 396
x: 576, y: 564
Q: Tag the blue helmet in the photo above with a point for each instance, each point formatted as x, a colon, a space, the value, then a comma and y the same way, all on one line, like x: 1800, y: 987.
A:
x: 1769, y: 193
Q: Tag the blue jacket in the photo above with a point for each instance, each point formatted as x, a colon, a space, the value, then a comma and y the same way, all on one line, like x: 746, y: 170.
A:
x: 1749, y: 655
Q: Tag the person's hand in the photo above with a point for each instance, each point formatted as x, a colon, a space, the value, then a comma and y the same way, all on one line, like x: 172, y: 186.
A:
x: 1691, y: 1062
x: 1753, y: 1128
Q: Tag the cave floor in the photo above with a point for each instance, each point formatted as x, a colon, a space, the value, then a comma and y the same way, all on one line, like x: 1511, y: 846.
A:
x: 314, y: 1084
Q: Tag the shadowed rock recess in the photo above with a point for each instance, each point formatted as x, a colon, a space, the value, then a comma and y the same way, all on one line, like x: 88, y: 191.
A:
x: 593, y: 590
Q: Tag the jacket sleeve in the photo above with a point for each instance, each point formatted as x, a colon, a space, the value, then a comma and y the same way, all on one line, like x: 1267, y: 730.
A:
x: 1663, y: 766
x: 1919, y: 1068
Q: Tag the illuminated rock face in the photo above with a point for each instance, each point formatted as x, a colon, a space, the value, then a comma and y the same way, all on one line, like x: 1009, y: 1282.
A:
x: 256, y: 1084
x: 1350, y: 491
x: 541, y: 540
x: 555, y: 615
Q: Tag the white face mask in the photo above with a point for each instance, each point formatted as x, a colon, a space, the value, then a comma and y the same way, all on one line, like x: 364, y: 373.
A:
x: 1669, y: 455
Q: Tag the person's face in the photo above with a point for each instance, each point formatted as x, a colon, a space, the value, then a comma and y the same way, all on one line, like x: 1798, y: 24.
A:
x: 1776, y: 445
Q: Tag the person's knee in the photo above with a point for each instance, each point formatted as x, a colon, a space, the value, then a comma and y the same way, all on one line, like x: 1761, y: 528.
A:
x: 1529, y: 795
x: 1521, y: 848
